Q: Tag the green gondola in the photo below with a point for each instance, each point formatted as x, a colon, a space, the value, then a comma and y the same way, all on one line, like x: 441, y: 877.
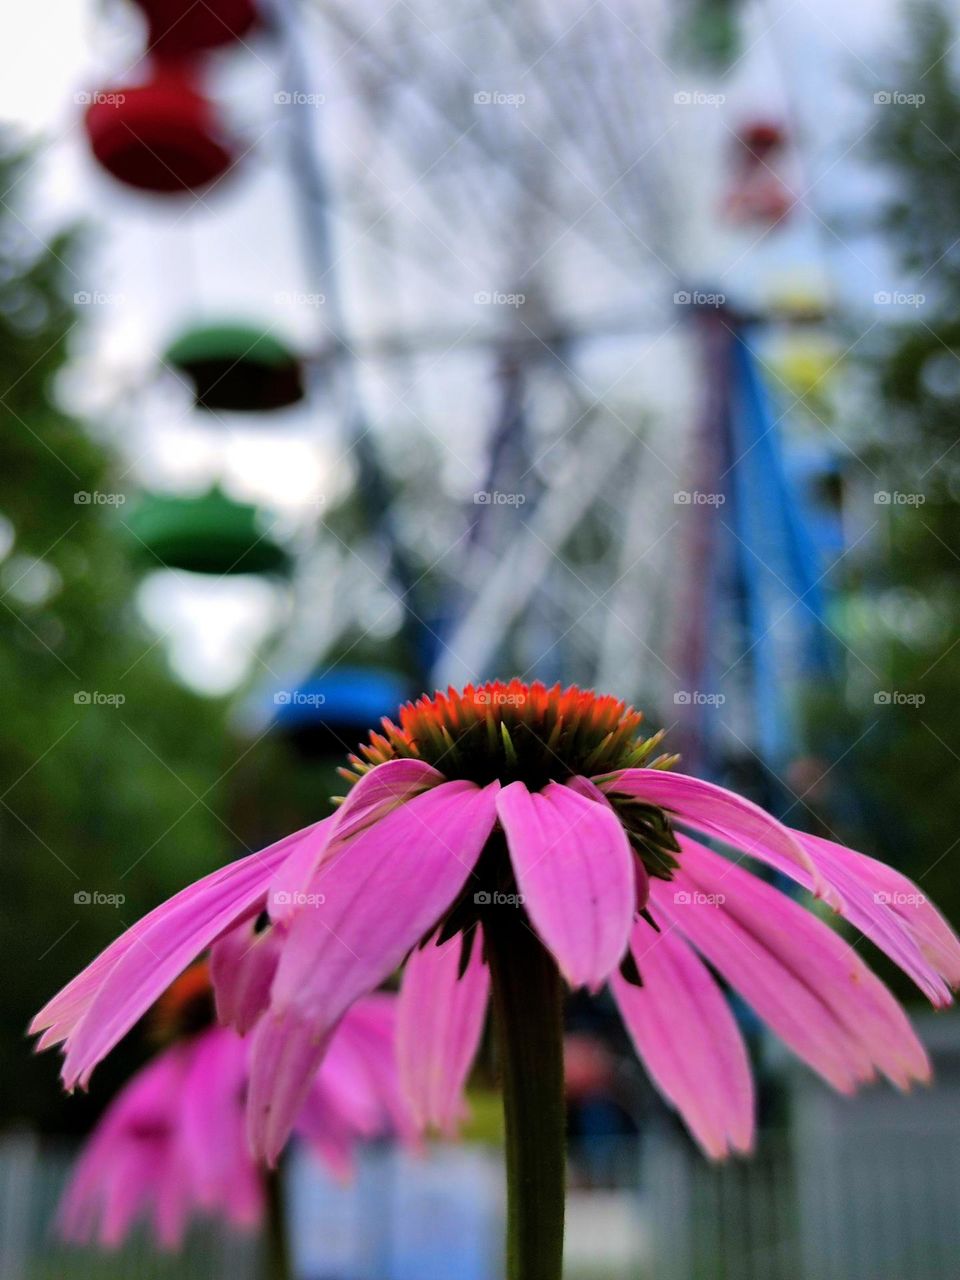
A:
x: 237, y: 367
x: 211, y: 533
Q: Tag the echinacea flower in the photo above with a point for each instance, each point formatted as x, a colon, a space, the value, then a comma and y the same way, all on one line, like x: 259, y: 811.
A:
x: 504, y: 838
x: 172, y: 1143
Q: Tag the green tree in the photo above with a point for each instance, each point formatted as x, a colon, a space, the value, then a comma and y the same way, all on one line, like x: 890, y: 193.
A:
x: 909, y: 763
x: 96, y: 795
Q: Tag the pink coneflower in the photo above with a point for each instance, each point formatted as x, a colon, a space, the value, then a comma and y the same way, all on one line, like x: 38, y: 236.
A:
x: 510, y: 838
x: 172, y: 1144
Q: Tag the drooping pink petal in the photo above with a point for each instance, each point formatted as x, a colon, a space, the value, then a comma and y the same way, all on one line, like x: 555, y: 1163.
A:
x: 175, y: 934
x: 440, y: 1022
x: 293, y: 874
x: 126, y: 1159
x: 803, y: 979
x: 371, y: 798
x: 326, y: 1131
x: 285, y: 1052
x: 892, y: 911
x: 210, y: 1119
x: 688, y: 1039
x: 575, y: 872
x: 60, y: 1016
x: 242, y: 967
x: 715, y: 811
x: 375, y: 898
x: 358, y: 1079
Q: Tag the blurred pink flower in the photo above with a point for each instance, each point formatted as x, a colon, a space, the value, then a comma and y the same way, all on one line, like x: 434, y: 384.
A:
x: 507, y: 796
x: 172, y: 1143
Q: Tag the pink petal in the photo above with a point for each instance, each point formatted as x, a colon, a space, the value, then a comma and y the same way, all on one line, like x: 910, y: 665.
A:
x: 285, y: 1052
x: 891, y: 910
x: 293, y: 874
x: 210, y: 1115
x: 375, y: 899
x: 381, y: 791
x: 371, y: 798
x: 440, y: 1022
x: 574, y: 870
x: 717, y: 812
x: 587, y: 788
x: 688, y: 1039
x: 358, y: 1078
x: 242, y: 967
x: 61, y: 1014
x: 126, y: 1158
x: 175, y: 934
x: 799, y: 976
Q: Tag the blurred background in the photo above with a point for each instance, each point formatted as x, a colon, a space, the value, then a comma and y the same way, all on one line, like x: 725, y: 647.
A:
x: 355, y: 349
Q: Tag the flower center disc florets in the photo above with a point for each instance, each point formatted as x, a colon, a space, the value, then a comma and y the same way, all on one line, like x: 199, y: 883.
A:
x: 512, y: 732
x: 185, y: 1007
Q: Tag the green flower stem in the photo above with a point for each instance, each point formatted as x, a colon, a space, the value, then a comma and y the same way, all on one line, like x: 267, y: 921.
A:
x: 527, y: 1010
x: 276, y: 1246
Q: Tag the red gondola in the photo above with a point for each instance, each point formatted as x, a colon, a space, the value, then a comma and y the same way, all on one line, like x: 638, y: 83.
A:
x: 160, y: 136
x: 183, y: 27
